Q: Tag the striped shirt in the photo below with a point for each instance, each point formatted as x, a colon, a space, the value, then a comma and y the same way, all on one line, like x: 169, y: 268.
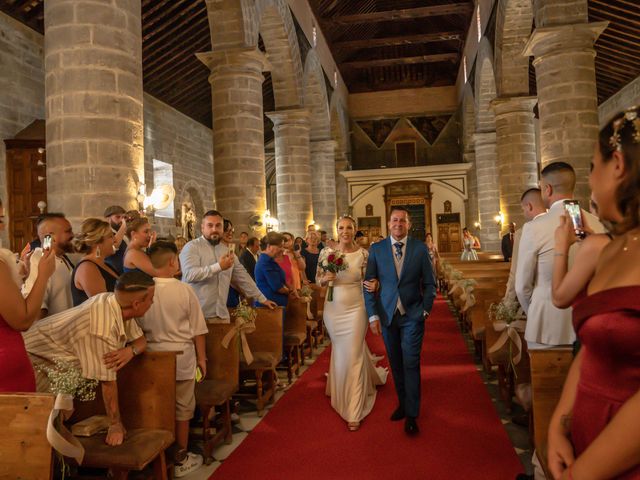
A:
x: 82, y: 336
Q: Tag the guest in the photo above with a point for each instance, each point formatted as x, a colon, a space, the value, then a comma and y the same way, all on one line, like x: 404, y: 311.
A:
x: 175, y: 322
x: 210, y: 268
x: 469, y: 244
x: 546, y: 324
x: 92, y: 275
x: 140, y: 237
x: 16, y: 315
x: 310, y: 255
x: 298, y: 244
x: 507, y: 242
x: 242, y: 242
x: 360, y: 239
x: 180, y: 242
x: 249, y: 256
x: 323, y: 239
x: 57, y: 297
x: 99, y: 338
x: 532, y: 207
x: 594, y: 430
x: 295, y: 264
x: 270, y: 278
x: 433, y: 250
x: 116, y: 216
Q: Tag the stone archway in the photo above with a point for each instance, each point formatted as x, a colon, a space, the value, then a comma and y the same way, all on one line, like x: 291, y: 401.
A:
x: 340, y: 134
x: 485, y: 148
x: 314, y: 97
x: 469, y: 156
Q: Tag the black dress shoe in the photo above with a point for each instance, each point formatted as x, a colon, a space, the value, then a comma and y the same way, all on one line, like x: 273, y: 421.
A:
x: 524, y: 476
x: 410, y: 426
x: 398, y: 414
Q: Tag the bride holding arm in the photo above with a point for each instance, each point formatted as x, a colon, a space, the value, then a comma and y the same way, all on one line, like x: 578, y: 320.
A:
x: 353, y: 376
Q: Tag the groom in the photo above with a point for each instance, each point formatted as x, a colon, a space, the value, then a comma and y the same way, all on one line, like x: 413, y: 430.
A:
x: 402, y: 267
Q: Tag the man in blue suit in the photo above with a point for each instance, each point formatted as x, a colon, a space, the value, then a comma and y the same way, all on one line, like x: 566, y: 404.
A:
x: 399, y: 308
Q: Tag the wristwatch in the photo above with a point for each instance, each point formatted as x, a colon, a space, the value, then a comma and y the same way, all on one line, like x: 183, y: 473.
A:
x: 425, y: 314
x: 135, y: 351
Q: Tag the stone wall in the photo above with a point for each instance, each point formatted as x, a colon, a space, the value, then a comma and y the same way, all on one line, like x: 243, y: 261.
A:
x: 174, y: 138
x: 625, y: 98
x: 21, y: 87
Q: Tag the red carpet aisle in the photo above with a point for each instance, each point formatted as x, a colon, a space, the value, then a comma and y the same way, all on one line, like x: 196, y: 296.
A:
x: 461, y: 435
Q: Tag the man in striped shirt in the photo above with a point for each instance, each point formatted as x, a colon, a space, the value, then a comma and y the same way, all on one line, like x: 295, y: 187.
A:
x: 99, y: 337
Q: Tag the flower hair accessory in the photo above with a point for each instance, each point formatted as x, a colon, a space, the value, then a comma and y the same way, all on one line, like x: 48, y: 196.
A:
x: 630, y: 116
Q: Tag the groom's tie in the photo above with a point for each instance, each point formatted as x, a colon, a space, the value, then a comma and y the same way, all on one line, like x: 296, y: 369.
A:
x: 398, y: 246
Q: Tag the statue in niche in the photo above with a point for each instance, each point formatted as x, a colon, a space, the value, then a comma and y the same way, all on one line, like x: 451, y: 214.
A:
x: 447, y: 207
x: 188, y: 221
x: 369, y: 210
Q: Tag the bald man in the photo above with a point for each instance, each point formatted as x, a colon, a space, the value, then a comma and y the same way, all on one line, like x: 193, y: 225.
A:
x: 57, y: 297
x: 547, y: 325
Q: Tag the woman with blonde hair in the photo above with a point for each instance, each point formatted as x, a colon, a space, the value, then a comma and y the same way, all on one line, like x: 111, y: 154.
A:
x: 140, y: 237
x: 92, y: 275
x: 353, y: 376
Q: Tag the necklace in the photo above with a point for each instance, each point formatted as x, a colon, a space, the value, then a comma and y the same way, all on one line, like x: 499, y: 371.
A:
x: 634, y: 238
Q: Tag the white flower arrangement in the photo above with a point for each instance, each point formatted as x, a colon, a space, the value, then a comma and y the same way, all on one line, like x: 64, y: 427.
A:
x: 66, y: 378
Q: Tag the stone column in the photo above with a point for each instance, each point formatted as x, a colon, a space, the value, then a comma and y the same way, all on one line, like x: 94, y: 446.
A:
x: 562, y: 47
x: 342, y: 189
x: 238, y: 133
x: 488, y: 190
x: 93, y: 96
x: 516, y: 148
x: 471, y: 204
x: 323, y: 184
x: 293, y: 169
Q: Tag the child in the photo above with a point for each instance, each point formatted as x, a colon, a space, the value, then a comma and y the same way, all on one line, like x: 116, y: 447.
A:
x: 175, y: 322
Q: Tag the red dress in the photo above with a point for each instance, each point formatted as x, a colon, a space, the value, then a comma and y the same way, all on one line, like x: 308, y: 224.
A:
x: 16, y: 372
x: 608, y: 326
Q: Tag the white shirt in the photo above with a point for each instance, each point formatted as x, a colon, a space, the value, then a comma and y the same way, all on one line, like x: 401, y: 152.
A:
x: 172, y: 322
x: 546, y: 324
x: 57, y: 295
x: 398, y: 265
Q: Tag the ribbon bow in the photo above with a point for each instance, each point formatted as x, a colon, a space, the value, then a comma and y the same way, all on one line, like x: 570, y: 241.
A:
x: 307, y: 300
x: 509, y: 331
x: 60, y: 438
x: 242, y: 327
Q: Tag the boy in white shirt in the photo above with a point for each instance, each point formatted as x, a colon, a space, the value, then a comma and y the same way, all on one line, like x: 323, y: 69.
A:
x: 175, y: 322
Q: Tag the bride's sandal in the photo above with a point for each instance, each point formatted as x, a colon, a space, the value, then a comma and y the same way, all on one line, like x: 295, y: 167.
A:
x: 353, y: 426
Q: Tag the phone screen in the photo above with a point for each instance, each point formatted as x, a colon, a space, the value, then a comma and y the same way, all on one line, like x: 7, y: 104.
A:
x: 46, y: 242
x: 573, y: 209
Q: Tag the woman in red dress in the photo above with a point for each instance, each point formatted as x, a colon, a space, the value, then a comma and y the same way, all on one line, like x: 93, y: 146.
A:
x: 17, y: 314
x: 594, y: 432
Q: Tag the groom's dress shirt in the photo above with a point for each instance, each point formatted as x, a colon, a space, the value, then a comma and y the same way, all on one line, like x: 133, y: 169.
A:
x: 398, y: 263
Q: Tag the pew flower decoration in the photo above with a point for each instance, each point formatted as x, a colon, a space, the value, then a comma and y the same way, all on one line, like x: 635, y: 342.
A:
x: 245, y: 323
x: 306, y: 295
x: 333, y: 262
x: 67, y: 382
x: 508, y: 318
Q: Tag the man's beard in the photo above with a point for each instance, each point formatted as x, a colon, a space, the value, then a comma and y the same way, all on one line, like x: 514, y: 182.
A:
x: 214, y: 240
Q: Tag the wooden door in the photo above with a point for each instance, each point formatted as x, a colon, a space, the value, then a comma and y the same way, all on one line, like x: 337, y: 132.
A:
x: 449, y: 237
x: 27, y: 185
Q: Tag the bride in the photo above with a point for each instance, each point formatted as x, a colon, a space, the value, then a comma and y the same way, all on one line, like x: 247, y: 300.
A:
x: 353, y: 375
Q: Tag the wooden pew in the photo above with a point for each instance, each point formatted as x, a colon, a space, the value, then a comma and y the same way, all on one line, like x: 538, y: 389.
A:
x: 219, y: 385
x: 317, y: 309
x: 295, y: 333
x: 25, y: 453
x: 147, y: 399
x: 549, y: 369
x: 266, y: 347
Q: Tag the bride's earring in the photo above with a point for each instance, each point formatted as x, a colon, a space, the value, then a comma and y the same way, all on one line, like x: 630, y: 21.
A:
x: 98, y: 253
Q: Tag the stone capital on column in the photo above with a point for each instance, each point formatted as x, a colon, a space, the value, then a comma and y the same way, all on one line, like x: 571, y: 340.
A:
x: 481, y: 139
x: 563, y: 38
x: 323, y: 146
x: 507, y: 105
x: 290, y: 116
x: 235, y: 61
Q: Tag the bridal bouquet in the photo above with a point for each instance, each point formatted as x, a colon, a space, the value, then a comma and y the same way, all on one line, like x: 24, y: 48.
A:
x: 334, y: 262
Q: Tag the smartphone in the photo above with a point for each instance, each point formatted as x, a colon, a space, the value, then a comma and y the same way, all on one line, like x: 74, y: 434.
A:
x: 575, y: 214
x: 199, y: 376
x: 232, y: 248
x: 296, y: 247
x: 46, y: 242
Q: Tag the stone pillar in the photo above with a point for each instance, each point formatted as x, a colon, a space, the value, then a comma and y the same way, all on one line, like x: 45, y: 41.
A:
x: 471, y: 204
x: 342, y: 189
x: 93, y: 97
x: 238, y: 133
x: 488, y: 190
x: 293, y: 169
x: 516, y: 148
x: 562, y: 47
x: 323, y: 184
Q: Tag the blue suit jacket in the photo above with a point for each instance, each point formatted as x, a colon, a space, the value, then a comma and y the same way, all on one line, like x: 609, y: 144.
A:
x: 416, y: 286
x: 270, y: 278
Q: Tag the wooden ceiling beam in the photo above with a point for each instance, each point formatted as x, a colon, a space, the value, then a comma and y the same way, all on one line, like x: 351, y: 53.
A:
x: 461, y: 8
x: 180, y: 54
x: 387, y: 62
x: 400, y: 40
x: 148, y: 42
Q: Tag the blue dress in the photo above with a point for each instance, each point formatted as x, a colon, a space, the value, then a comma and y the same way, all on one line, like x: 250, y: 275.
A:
x: 270, y: 278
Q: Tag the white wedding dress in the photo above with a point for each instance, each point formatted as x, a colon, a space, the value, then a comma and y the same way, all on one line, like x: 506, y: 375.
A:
x: 353, y: 376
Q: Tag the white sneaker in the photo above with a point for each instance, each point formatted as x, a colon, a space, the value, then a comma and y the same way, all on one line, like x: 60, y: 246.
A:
x: 188, y: 465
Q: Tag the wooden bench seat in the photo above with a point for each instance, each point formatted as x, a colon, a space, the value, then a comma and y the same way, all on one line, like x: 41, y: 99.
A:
x: 295, y: 334
x: 147, y: 400
x: 25, y: 453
